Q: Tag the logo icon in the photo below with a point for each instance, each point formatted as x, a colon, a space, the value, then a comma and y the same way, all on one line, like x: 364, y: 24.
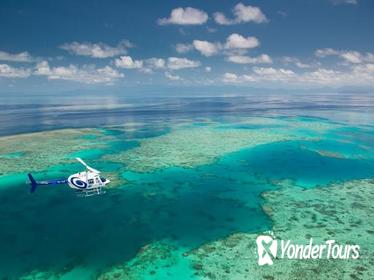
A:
x: 266, y: 249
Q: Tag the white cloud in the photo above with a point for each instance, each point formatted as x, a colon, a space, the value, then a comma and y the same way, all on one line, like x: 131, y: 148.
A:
x: 242, y: 59
x: 249, y: 13
x: 12, y: 72
x: 270, y: 73
x: 230, y: 78
x: 220, y: 18
x: 176, y: 63
x: 338, y: 2
x: 183, y: 48
x: 303, y: 65
x: 293, y: 60
x: 155, y: 63
x: 235, y: 45
x: 321, y: 76
x: 364, y: 72
x: 206, y: 48
x: 354, y: 57
x: 242, y: 14
x: 234, y: 78
x: 128, y: 63
x: 172, y: 77
x: 87, y: 74
x: 260, y: 74
x: 97, y: 50
x: 185, y: 16
x: 208, y: 69
x: 326, y: 52
x: 16, y: 57
x: 366, y: 68
x: 355, y: 75
x: 237, y: 41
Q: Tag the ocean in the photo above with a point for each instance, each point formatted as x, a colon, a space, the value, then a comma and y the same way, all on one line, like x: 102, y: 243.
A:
x: 194, y: 180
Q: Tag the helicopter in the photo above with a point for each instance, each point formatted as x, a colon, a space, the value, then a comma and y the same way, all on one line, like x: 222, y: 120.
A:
x: 85, y: 183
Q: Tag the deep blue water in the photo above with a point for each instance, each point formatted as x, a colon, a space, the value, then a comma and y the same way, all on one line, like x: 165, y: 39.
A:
x: 29, y: 113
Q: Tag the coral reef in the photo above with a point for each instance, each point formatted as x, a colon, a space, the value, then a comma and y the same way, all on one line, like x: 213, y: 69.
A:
x: 189, y: 187
x: 157, y: 261
x: 191, y: 147
x: 40, y: 151
x: 341, y: 212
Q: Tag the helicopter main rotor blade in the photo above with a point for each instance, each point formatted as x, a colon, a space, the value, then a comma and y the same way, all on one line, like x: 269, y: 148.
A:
x: 85, y: 164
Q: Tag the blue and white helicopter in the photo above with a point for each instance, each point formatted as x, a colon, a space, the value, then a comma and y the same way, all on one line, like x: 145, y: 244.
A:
x: 85, y: 183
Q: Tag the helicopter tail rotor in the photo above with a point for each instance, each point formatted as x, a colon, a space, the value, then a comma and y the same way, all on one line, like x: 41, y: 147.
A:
x: 33, y: 183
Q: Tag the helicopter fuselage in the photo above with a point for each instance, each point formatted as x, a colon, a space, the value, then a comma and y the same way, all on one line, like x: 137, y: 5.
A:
x: 86, y: 180
x: 86, y: 183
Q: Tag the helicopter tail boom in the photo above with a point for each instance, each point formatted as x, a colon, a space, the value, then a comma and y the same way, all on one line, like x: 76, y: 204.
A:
x: 34, y: 184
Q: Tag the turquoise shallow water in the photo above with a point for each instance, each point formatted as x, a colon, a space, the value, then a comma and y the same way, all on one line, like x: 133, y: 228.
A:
x: 54, y: 230
x: 189, y: 206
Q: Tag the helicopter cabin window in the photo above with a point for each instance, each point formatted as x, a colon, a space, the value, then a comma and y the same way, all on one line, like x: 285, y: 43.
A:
x: 90, y: 181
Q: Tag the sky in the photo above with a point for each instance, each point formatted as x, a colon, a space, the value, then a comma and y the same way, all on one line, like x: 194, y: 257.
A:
x: 107, y: 45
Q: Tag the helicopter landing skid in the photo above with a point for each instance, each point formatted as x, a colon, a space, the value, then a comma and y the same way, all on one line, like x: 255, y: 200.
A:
x: 90, y: 192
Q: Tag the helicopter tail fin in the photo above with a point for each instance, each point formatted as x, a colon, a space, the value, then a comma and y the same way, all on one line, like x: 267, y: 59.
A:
x: 33, y: 183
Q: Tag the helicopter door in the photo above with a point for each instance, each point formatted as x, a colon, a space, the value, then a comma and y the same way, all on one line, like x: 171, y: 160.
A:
x: 98, y: 181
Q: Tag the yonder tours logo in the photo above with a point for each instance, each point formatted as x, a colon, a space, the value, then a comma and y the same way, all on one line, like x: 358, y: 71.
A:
x: 269, y: 248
